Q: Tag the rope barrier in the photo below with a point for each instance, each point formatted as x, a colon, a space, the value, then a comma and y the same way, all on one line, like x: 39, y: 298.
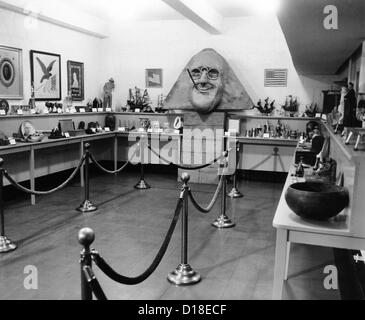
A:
x: 105, y: 170
x: 186, y: 167
x: 212, y: 202
x: 104, y: 266
x: 34, y: 192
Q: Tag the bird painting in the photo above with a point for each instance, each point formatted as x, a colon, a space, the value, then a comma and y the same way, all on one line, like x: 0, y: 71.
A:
x: 46, y: 71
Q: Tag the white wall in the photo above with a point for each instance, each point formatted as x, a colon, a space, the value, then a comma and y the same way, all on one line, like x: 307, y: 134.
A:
x: 249, y: 44
x: 18, y: 31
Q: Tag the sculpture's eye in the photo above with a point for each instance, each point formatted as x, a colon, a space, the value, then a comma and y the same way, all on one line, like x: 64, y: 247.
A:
x: 196, y: 73
x: 213, y: 74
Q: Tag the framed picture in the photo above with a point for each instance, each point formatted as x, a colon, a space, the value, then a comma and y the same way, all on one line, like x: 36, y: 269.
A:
x: 11, y: 73
x: 46, y: 75
x: 75, y: 80
x: 153, y: 78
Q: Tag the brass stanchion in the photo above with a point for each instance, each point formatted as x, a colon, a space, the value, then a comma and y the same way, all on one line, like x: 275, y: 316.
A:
x: 235, y: 193
x: 184, y: 274
x: 142, y: 184
x: 6, y: 245
x: 86, y: 205
x: 86, y: 238
x: 223, y: 222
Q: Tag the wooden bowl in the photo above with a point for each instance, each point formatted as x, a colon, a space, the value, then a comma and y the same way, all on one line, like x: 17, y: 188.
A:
x: 316, y: 200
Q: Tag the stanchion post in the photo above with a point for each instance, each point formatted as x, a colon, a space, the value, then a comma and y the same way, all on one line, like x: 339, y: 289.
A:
x: 142, y: 184
x: 235, y: 193
x: 223, y: 222
x: 86, y: 205
x: 184, y: 274
x: 86, y: 238
x: 6, y: 245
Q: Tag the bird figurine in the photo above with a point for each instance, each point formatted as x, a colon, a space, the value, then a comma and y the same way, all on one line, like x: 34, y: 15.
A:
x: 46, y: 71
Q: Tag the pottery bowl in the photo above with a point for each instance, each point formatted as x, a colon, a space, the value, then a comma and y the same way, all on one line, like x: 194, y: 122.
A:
x: 316, y: 200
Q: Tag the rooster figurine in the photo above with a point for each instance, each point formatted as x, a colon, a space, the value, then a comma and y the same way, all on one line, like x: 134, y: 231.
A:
x: 266, y: 109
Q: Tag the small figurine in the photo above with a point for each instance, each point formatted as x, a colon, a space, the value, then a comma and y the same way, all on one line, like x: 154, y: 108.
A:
x: 291, y: 105
x: 266, y: 109
x: 310, y: 111
x: 108, y: 90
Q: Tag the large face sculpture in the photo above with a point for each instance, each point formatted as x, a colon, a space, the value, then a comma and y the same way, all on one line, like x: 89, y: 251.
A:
x: 207, y: 82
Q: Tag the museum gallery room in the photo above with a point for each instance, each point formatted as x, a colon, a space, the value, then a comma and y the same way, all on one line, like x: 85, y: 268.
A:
x: 182, y: 150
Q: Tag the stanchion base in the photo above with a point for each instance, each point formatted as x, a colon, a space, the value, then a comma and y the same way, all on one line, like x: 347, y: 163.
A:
x: 223, y: 222
x: 184, y: 275
x: 6, y: 245
x: 87, y: 206
x: 235, y: 193
x: 142, y: 185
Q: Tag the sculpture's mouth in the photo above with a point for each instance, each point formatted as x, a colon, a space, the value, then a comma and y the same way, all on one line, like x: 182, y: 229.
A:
x: 204, y: 87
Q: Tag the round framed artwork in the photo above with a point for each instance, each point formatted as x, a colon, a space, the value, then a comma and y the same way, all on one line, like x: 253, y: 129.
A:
x: 7, y: 72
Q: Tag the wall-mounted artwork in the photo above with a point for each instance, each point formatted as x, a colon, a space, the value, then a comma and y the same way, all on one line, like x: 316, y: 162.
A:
x: 11, y: 73
x: 75, y: 80
x: 153, y: 78
x: 46, y: 75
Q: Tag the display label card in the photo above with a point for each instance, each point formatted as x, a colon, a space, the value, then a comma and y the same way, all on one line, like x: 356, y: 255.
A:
x: 177, y: 131
x: 94, y: 110
x: 149, y: 130
x: 93, y: 130
x: 107, y: 129
x: 2, y: 113
x: 32, y: 111
x: 67, y: 135
x: 121, y: 129
x: 266, y: 135
x: 19, y: 111
x: 137, y: 110
x: 100, y: 109
x: 46, y: 112
x: 82, y: 110
x: 108, y: 109
x: 12, y: 141
x: 141, y: 130
x: 59, y: 110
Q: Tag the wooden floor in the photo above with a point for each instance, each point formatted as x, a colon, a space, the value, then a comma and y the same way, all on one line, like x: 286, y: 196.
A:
x: 130, y: 225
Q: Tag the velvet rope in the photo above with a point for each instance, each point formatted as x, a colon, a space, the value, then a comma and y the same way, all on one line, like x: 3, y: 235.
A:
x: 212, y: 202
x: 26, y: 190
x: 186, y: 167
x: 104, y: 266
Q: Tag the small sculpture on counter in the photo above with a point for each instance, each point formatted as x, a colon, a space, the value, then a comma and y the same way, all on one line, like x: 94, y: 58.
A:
x: 97, y: 103
x: 161, y: 100
x: 291, y: 105
x: 31, y: 102
x: 311, y: 110
x: 108, y: 96
x: 266, y: 109
x: 56, y: 133
x: 29, y: 134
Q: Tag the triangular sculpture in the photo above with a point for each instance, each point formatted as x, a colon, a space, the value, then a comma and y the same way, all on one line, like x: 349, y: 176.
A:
x: 208, y: 84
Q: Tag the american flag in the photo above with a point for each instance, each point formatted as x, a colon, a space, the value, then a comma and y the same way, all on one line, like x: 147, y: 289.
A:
x: 276, y: 77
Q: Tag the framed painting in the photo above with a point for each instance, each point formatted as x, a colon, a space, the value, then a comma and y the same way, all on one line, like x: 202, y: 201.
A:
x: 75, y: 80
x: 46, y: 75
x: 11, y: 73
x: 153, y: 78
